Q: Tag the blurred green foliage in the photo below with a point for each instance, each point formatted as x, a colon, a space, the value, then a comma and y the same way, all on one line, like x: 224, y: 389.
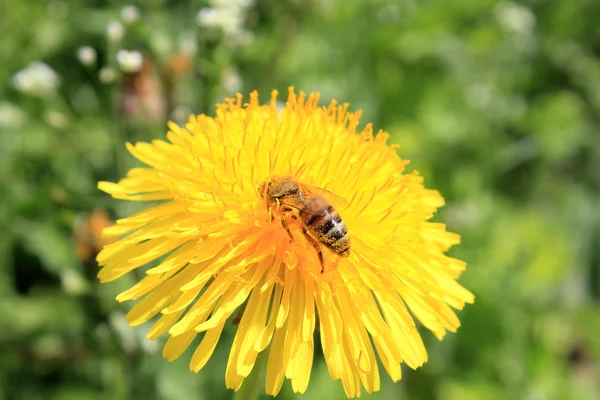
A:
x: 497, y: 104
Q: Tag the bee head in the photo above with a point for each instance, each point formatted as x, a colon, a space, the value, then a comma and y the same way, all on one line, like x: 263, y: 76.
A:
x: 271, y: 187
x: 264, y: 188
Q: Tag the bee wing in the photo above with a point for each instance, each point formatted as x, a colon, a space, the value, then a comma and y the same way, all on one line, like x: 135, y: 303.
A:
x: 335, y: 198
x: 293, y: 202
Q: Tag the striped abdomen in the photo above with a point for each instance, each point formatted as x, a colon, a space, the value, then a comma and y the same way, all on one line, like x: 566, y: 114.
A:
x: 324, y: 223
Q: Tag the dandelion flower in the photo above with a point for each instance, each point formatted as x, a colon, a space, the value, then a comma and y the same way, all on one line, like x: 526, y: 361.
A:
x: 215, y: 253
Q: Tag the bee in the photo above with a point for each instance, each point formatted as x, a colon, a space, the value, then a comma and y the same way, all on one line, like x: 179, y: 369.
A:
x: 297, y: 203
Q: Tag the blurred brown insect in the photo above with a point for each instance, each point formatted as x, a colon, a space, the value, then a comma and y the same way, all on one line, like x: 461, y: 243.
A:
x: 88, y: 235
x: 298, y: 203
x: 149, y: 93
x: 143, y: 95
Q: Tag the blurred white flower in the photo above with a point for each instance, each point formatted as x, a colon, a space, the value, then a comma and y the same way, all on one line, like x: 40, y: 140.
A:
x: 515, y: 18
x: 229, y: 20
x: 231, y: 81
x: 11, y: 116
x: 115, y: 31
x: 231, y: 3
x: 207, y: 17
x: 130, y: 61
x: 130, y: 14
x: 518, y: 22
x: 37, y: 79
x: 87, y: 55
x: 107, y: 75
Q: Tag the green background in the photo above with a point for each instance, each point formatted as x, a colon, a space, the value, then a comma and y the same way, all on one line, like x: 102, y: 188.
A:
x: 496, y: 103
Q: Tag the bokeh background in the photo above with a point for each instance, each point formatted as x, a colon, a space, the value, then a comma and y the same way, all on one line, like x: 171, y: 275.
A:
x: 497, y: 104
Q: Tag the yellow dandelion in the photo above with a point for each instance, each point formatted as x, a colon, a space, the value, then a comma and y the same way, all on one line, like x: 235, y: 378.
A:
x: 219, y: 242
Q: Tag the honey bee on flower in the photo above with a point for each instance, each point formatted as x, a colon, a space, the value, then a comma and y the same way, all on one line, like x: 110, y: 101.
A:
x: 321, y: 224
x: 242, y: 225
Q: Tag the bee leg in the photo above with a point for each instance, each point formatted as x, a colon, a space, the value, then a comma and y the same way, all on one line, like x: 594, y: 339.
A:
x: 271, y: 217
x: 317, y: 247
x: 287, y: 228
